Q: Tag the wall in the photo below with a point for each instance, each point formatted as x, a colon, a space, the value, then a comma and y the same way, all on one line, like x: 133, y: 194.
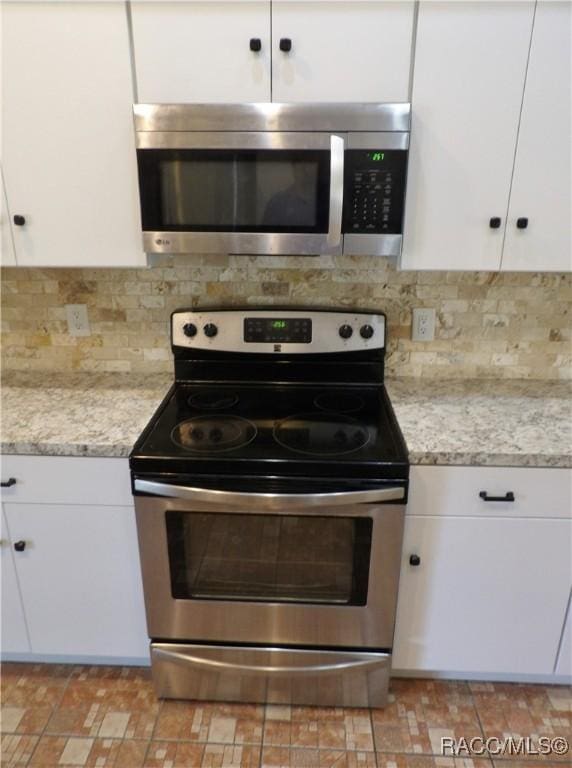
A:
x: 509, y: 325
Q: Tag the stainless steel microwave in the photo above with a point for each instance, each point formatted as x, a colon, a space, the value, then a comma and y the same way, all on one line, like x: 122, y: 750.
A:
x: 289, y: 179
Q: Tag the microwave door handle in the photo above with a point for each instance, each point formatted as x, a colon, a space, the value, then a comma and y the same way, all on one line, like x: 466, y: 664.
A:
x: 238, y: 500
x: 336, y: 190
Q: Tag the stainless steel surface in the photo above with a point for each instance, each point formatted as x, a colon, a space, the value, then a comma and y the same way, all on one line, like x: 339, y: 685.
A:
x: 336, y: 190
x: 280, y: 676
x: 272, y: 117
x: 231, y: 140
x: 302, y: 624
x: 239, y: 243
x: 372, y: 245
x: 378, y: 140
x: 325, y: 326
x: 239, y: 502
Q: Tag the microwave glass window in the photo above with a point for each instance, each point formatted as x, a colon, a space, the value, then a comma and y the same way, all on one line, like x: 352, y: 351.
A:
x: 230, y: 190
x: 277, y: 558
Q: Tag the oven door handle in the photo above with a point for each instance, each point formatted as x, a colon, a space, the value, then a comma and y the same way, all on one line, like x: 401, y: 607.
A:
x: 336, y: 190
x: 345, y: 661
x: 268, y: 501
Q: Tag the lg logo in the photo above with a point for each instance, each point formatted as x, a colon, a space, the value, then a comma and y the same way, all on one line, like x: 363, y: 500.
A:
x: 160, y: 241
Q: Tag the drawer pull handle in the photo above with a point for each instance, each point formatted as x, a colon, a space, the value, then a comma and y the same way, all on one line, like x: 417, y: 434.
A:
x: 414, y: 560
x: 509, y: 496
x: 8, y: 483
x: 20, y: 546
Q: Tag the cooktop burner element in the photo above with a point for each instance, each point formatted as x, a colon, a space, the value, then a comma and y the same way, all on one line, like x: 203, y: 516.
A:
x: 214, y: 433
x: 341, y: 402
x: 213, y: 400
x: 321, y: 434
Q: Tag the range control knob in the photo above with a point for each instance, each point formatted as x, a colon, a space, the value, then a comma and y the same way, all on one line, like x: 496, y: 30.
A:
x: 190, y: 330
x: 366, y: 331
x: 346, y: 331
x: 210, y: 330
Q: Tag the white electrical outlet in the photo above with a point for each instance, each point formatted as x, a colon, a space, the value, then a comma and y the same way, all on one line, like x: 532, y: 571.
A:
x: 78, y: 321
x: 423, y: 328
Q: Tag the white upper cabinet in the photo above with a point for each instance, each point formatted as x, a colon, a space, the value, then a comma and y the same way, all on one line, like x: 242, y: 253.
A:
x: 539, y: 224
x: 7, y: 255
x: 470, y: 66
x: 201, y: 51
x: 341, y: 51
x: 68, y: 147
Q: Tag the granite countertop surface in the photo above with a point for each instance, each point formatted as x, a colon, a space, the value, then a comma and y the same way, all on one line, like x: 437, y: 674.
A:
x: 467, y: 422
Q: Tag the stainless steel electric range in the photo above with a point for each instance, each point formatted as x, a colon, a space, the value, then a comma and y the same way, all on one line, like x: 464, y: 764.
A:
x: 270, y: 490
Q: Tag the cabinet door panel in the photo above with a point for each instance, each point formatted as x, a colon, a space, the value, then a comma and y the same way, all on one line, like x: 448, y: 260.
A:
x: 80, y: 579
x: 342, y: 51
x: 564, y: 661
x: 542, y: 182
x: 200, y: 51
x: 470, y: 64
x: 489, y: 595
x: 7, y: 256
x: 14, y: 636
x: 68, y: 147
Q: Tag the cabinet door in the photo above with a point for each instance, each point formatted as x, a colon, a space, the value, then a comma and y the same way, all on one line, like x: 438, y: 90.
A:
x: 564, y: 660
x: 80, y: 579
x: 68, y: 146
x: 489, y: 595
x: 7, y: 257
x: 14, y: 635
x: 542, y: 181
x: 470, y: 64
x: 200, y: 51
x: 341, y: 51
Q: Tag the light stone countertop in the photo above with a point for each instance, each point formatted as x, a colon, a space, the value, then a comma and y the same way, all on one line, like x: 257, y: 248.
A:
x: 476, y: 422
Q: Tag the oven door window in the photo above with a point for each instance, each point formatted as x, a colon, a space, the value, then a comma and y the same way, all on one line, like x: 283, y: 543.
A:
x: 229, y: 190
x: 269, y: 558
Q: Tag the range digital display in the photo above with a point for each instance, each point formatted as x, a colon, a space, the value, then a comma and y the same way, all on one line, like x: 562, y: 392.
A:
x: 293, y: 330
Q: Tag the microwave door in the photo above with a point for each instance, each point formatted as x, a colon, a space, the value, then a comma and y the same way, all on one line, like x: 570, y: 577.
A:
x: 241, y: 193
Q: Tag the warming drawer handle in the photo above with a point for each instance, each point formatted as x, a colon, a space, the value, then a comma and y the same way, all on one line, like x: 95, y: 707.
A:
x: 336, y: 190
x: 345, y: 663
x: 509, y: 496
x: 273, y: 501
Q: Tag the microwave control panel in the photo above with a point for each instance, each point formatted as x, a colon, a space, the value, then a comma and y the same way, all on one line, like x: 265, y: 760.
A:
x: 374, y: 187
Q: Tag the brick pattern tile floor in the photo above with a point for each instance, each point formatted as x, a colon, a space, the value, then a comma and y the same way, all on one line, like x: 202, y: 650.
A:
x: 103, y: 717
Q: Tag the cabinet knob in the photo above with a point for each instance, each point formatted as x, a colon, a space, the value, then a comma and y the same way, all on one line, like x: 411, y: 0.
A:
x: 522, y: 223
x: 495, y: 222
x: 285, y: 44
x: 255, y: 44
x: 19, y: 221
x: 414, y: 560
x: 8, y: 483
x: 19, y: 546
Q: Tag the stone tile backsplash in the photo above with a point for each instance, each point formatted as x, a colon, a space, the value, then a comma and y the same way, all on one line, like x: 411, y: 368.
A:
x: 489, y: 325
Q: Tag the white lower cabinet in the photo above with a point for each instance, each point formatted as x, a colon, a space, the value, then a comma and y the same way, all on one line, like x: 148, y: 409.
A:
x: 490, y: 591
x: 71, y: 581
x: 13, y: 632
x: 564, y: 661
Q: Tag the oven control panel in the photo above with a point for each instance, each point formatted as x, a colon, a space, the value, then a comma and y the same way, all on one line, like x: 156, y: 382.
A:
x: 273, y: 331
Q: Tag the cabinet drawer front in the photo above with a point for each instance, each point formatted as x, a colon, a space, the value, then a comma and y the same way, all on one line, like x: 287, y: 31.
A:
x: 457, y: 491
x: 66, y: 480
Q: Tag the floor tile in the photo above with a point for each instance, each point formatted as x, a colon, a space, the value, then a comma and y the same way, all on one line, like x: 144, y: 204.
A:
x: 205, y: 721
x: 347, y: 732
x: 30, y: 694
x: 509, y: 710
x: 419, y: 713
x: 55, y: 751
x: 430, y: 761
x: 284, y: 757
x: 16, y: 750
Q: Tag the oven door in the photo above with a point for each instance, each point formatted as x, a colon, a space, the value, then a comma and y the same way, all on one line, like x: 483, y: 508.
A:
x: 313, y: 570
x: 241, y: 192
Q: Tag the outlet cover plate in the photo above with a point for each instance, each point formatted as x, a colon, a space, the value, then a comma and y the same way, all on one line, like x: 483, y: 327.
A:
x: 78, y: 321
x: 423, y: 327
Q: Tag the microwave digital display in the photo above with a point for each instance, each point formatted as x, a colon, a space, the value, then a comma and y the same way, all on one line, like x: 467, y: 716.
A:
x: 296, y: 330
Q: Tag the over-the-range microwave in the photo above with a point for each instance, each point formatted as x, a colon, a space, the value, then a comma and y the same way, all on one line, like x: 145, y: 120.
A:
x: 288, y: 179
